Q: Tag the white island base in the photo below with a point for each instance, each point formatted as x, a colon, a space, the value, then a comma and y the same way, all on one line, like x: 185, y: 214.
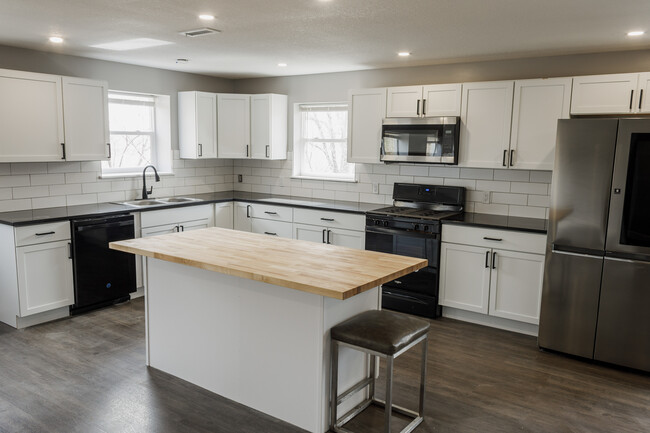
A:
x: 261, y: 345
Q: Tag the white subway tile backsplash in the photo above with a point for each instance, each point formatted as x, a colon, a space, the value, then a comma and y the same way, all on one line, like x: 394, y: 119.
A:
x: 88, y: 188
x: 5, y: 169
x: 5, y: 194
x: 323, y: 194
x: 63, y: 167
x: 488, y: 185
x: 529, y: 188
x: 281, y: 190
x: 477, y: 173
x: 74, y: 188
x: 12, y: 181
x: 494, y: 209
x: 115, y: 196
x: 396, y: 179
x: 346, y: 196
x: 512, y: 175
x: 539, y: 200
x: 81, y: 177
x: 78, y: 199
x: 467, y: 183
x: 507, y: 198
x: 527, y: 211
x: 31, y: 191
x: 385, y: 169
x: 184, y: 190
x: 47, y: 179
x: 371, y: 198
x: 12, y: 205
x: 414, y: 170
x: 43, y: 202
x: 263, y: 189
x: 541, y: 176
x: 444, y: 171
x: 95, y: 166
x: 29, y: 168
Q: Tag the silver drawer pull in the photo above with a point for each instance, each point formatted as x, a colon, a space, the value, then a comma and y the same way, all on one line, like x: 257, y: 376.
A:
x: 327, y: 219
x: 270, y: 213
x: 45, y: 233
x: 492, y: 239
x: 270, y: 233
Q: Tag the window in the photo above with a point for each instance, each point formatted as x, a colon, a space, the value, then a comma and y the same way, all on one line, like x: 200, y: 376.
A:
x: 321, y: 142
x: 139, y: 133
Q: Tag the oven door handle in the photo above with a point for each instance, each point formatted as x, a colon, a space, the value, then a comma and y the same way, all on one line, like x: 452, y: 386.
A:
x: 400, y: 295
x: 398, y: 232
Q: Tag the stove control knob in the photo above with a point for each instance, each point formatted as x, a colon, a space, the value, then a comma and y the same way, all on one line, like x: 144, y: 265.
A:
x: 385, y: 223
x: 416, y: 227
x: 426, y: 228
x: 377, y: 222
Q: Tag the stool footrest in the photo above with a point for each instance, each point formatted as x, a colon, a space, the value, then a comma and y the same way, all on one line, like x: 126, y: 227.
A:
x: 399, y: 409
x: 355, y: 388
x: 417, y: 419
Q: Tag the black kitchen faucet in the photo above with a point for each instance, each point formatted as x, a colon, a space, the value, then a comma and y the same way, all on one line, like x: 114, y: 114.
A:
x: 145, y: 193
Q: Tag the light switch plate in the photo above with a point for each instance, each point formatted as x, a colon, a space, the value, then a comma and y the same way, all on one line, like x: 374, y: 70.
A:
x: 240, y: 178
x: 375, y: 188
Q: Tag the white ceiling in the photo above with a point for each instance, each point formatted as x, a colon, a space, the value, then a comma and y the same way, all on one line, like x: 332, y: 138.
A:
x: 316, y: 36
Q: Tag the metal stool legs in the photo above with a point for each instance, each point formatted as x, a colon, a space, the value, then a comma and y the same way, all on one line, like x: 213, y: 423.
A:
x: 336, y: 423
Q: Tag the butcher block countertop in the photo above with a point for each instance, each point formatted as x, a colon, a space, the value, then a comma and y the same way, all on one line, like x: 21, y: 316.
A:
x: 321, y: 269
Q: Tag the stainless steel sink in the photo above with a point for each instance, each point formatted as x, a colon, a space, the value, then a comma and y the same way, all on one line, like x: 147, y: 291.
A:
x: 143, y: 203
x: 179, y: 199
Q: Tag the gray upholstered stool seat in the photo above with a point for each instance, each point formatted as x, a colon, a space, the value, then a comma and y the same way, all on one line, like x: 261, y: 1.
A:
x: 379, y: 333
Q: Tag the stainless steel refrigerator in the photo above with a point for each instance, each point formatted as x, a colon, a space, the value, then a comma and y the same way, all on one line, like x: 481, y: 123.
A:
x: 596, y: 294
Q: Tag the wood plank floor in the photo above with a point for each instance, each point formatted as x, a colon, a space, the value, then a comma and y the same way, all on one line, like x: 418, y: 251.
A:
x: 87, y: 374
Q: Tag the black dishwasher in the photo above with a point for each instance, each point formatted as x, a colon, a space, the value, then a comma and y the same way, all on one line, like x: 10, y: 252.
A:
x: 101, y: 276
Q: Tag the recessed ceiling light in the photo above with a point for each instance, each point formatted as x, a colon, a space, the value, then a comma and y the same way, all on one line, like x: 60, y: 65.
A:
x: 206, y: 17
x: 56, y: 39
x: 131, y: 44
x: 404, y: 54
x: 282, y: 65
x: 636, y: 33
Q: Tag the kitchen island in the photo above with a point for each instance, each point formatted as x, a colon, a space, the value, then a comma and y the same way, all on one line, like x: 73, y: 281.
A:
x: 247, y: 316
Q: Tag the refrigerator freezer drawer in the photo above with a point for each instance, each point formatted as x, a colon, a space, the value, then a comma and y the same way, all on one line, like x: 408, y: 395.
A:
x: 623, y: 336
x: 570, y: 303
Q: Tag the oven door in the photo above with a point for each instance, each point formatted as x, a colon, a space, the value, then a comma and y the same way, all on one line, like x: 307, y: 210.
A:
x: 628, y: 233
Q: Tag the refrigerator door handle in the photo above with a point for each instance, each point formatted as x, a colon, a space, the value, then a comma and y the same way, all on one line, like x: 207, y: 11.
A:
x: 567, y: 253
x: 616, y: 259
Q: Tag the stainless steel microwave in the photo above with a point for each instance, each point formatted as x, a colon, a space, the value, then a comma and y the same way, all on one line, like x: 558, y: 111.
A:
x: 431, y: 140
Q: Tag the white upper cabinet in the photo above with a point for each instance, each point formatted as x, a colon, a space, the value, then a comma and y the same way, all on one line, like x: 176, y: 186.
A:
x: 31, y: 117
x: 52, y: 118
x: 606, y: 94
x: 485, y: 124
x: 233, y: 125
x: 424, y: 101
x: 367, y: 109
x: 538, y: 104
x: 85, y: 118
x: 197, y: 124
x: 252, y: 126
x: 268, y: 126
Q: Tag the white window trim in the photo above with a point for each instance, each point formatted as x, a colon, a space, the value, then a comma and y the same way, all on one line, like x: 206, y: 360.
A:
x: 298, y: 142
x: 161, y: 138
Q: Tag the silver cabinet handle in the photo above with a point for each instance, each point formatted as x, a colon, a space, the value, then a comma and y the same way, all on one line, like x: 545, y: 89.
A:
x: 268, y: 148
x: 109, y: 150
x: 200, y: 149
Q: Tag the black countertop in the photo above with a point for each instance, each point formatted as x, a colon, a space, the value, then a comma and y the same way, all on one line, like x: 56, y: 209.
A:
x: 39, y: 216
x: 534, y: 225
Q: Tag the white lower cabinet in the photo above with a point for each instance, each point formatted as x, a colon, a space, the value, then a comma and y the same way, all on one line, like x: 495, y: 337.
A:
x: 36, y: 283
x: 271, y: 228
x: 223, y: 215
x: 242, y: 216
x: 484, y: 277
x: 176, y: 220
x: 329, y: 227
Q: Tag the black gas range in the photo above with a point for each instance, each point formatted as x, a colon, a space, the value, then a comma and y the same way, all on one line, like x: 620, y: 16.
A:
x: 411, y: 227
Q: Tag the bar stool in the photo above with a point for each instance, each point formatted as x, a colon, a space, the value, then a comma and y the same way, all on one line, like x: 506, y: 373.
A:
x: 378, y: 333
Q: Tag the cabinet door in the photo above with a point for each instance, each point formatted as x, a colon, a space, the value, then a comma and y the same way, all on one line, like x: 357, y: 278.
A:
x: 269, y: 126
x: 538, y: 104
x: 85, y: 116
x: 464, y: 277
x: 441, y: 100
x: 347, y: 238
x: 367, y: 109
x: 308, y: 232
x: 242, y: 216
x: 644, y: 93
x: 31, y: 117
x: 206, y: 125
x: 272, y: 228
x: 604, y: 94
x: 159, y: 230
x: 516, y: 285
x: 44, y: 277
x: 223, y: 215
x: 405, y: 101
x: 185, y: 226
x: 233, y: 125
x: 485, y: 124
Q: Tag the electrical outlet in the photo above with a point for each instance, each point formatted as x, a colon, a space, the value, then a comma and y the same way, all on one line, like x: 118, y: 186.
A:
x: 375, y: 188
x: 240, y: 178
x: 486, y: 197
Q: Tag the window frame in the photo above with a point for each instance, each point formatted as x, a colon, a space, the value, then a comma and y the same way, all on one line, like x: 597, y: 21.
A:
x: 300, y: 141
x: 160, y: 135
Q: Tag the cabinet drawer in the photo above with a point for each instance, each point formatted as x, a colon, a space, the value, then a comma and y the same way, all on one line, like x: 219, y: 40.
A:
x: 176, y: 215
x: 493, y: 238
x: 330, y: 219
x: 273, y: 228
x: 41, y: 233
x: 275, y: 213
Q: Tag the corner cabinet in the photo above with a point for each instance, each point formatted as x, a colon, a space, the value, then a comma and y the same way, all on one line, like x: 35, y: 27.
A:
x: 492, y: 272
x: 36, y: 273
x: 367, y: 109
x: 611, y: 94
x: 197, y: 125
x: 52, y: 118
x: 252, y: 126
